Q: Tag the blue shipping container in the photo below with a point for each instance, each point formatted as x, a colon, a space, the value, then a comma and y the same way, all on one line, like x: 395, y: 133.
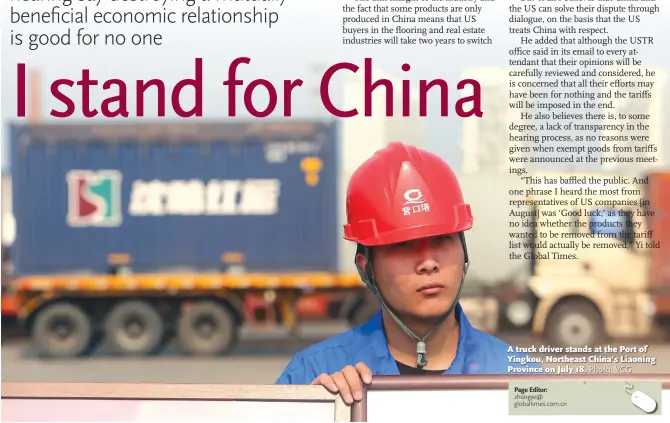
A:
x: 175, y: 197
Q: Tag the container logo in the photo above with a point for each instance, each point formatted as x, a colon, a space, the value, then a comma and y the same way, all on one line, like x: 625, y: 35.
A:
x: 94, y: 198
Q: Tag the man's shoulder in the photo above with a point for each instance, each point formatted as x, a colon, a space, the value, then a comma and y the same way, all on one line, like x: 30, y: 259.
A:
x: 327, y: 356
x: 341, y: 341
x: 501, y: 357
x: 492, y: 344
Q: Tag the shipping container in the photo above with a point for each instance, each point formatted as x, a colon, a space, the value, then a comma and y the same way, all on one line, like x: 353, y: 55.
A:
x: 659, y: 223
x: 175, y: 197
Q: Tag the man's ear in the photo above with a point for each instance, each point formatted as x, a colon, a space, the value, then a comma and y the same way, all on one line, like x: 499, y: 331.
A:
x: 361, y: 262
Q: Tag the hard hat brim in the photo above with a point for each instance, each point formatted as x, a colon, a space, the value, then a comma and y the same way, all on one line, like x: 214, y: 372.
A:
x: 409, y: 234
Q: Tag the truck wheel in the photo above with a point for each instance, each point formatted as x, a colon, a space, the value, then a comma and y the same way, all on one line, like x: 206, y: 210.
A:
x: 62, y: 330
x: 363, y: 312
x: 207, y: 328
x: 134, y: 327
x: 575, y: 324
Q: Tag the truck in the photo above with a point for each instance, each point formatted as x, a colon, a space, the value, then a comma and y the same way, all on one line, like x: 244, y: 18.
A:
x: 604, y: 271
x: 9, y: 304
x: 138, y: 233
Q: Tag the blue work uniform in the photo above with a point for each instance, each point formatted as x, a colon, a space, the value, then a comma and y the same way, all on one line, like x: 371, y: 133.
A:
x: 477, y: 353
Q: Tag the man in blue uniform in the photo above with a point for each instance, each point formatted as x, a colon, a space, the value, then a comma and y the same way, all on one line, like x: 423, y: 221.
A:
x: 405, y: 210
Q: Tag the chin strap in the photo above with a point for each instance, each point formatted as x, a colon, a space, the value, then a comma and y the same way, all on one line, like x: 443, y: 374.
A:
x: 421, y: 360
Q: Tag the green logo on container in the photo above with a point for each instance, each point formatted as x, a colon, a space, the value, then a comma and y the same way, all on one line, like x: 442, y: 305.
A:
x: 94, y: 198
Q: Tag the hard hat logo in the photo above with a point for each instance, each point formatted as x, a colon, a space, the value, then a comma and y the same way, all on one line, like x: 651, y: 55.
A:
x: 414, y: 202
x: 423, y: 207
x: 413, y: 196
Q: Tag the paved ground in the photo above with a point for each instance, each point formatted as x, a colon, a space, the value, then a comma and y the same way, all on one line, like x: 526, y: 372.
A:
x: 259, y: 360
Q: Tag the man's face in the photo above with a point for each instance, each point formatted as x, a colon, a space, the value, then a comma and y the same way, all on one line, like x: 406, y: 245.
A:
x: 418, y: 279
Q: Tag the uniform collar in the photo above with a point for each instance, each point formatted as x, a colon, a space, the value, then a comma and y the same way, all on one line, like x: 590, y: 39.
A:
x: 374, y: 349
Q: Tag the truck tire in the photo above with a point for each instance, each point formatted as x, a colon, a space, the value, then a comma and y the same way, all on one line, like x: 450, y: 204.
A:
x: 207, y: 328
x: 134, y: 327
x: 575, y: 323
x: 62, y: 330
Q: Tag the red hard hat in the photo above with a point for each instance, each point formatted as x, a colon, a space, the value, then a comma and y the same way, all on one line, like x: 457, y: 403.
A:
x: 403, y: 193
